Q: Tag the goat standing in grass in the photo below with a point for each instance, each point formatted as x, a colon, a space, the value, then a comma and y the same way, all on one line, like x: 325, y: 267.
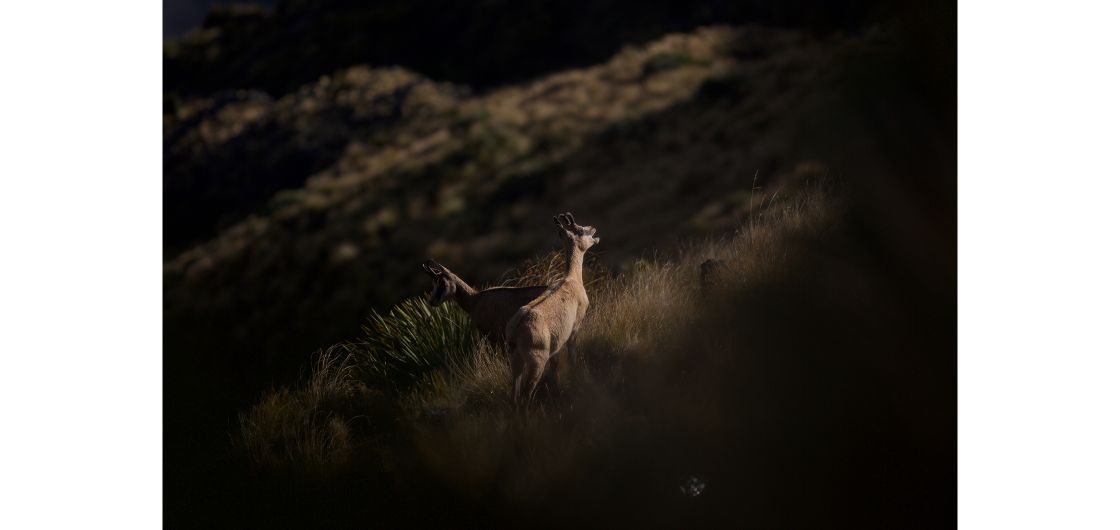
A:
x: 543, y: 326
x: 489, y: 309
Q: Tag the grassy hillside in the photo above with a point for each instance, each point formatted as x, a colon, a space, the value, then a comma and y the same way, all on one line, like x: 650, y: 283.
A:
x: 799, y: 374
x: 483, y: 44
x: 680, y: 127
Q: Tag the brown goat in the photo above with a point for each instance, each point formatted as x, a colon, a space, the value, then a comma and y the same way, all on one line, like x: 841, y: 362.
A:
x: 542, y: 327
x: 489, y: 309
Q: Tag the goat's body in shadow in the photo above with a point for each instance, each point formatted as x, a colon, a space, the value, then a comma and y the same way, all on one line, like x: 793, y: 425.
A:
x: 493, y: 308
x: 490, y: 309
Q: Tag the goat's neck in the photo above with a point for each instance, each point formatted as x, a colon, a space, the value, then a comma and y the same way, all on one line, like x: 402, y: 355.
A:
x: 574, y: 257
x: 465, y: 295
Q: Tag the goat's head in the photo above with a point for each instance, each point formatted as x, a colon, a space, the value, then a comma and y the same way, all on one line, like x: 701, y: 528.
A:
x: 582, y: 236
x: 442, y: 286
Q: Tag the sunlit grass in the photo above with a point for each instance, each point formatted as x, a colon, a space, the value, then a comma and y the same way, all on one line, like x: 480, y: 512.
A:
x: 411, y: 340
x: 451, y: 387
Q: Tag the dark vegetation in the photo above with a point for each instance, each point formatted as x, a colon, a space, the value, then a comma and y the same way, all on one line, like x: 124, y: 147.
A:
x: 813, y: 386
x: 482, y: 44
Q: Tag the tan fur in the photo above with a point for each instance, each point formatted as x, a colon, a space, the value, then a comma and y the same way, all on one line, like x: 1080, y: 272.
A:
x: 542, y: 327
x: 489, y: 309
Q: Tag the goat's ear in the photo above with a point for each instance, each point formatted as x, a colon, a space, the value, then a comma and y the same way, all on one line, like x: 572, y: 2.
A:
x: 432, y: 268
x: 439, y: 269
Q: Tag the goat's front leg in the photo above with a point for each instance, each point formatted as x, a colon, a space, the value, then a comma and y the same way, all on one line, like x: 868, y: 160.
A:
x: 570, y: 347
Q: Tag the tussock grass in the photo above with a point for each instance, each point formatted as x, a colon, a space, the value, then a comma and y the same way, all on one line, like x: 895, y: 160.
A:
x: 299, y: 427
x: 309, y: 427
x: 634, y: 314
x: 477, y: 380
x: 411, y: 340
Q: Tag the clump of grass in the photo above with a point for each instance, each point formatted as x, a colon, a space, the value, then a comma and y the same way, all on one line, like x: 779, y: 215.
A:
x: 309, y: 427
x: 301, y: 427
x: 639, y: 310
x: 475, y: 381
x: 412, y: 340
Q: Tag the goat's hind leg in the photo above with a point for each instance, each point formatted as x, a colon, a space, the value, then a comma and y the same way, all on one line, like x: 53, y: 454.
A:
x: 530, y: 378
x: 550, y: 383
x: 527, y: 372
x: 517, y: 368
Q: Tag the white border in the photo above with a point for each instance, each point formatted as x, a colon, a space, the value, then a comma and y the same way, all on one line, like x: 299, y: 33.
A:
x: 1038, y: 374
x: 81, y: 266
x: 80, y: 272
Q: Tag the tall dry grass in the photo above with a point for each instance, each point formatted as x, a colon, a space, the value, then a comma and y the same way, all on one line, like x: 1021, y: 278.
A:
x: 445, y: 373
x: 301, y: 426
x: 441, y: 367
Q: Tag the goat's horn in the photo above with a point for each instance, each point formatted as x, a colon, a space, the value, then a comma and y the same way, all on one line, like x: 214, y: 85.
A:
x: 571, y: 220
x: 431, y: 267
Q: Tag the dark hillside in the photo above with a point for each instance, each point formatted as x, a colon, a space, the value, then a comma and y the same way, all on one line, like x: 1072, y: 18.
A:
x: 226, y: 155
x: 482, y: 44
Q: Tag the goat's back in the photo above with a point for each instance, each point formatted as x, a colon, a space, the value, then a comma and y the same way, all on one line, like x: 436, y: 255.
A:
x: 497, y: 305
